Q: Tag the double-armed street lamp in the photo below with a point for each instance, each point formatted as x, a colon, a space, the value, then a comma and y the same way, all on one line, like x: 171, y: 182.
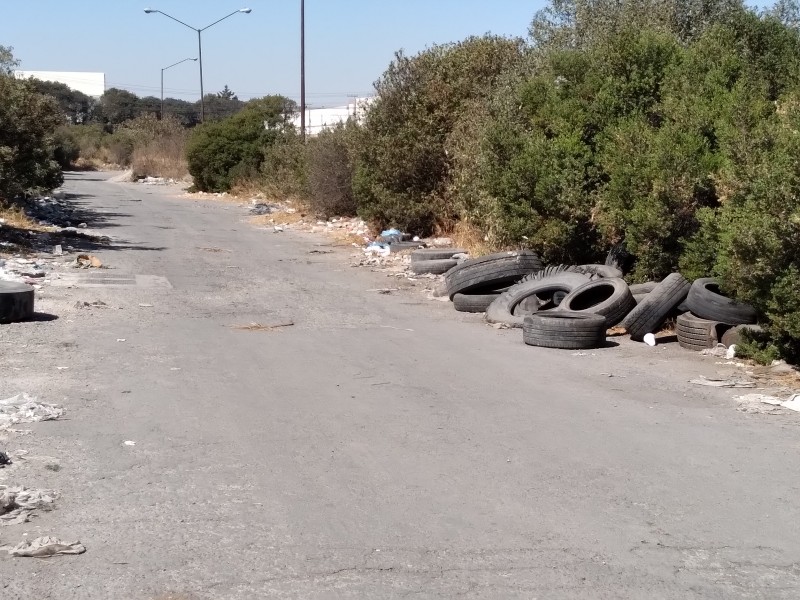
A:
x: 199, y: 46
x: 162, y: 81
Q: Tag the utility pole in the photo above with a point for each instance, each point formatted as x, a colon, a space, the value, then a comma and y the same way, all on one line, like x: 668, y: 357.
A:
x: 303, y: 70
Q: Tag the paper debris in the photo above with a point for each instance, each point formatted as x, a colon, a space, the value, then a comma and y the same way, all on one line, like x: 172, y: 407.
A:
x: 43, y: 547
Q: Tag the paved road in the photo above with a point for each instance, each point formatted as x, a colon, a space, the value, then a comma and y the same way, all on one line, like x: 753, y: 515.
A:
x: 348, y: 457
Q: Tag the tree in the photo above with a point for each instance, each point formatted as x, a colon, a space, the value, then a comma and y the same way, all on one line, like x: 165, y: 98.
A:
x: 221, y: 105
x: 227, y: 94
x: 117, y: 106
x: 76, y: 106
x: 7, y: 61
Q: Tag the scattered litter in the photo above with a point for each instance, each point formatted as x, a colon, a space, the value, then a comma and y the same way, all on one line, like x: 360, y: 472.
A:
x: 730, y: 354
x: 58, y: 250
x: 720, y: 351
x: 128, y: 443
x: 792, y: 403
x: 86, y: 261
x: 175, y: 369
x: 23, y: 408
x: 277, y: 229
x: 18, y: 503
x: 385, y: 290
x: 95, y: 304
x: 4, y: 460
x: 500, y: 325
x: 212, y: 249
x: 649, y: 339
x: 397, y: 328
x: 143, y: 305
x: 261, y: 326
x: 43, y: 547
x: 121, y: 340
x: 726, y: 383
x: 62, y: 368
x: 315, y: 251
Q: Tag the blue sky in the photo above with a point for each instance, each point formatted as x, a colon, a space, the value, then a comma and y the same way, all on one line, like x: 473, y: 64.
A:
x: 349, y: 43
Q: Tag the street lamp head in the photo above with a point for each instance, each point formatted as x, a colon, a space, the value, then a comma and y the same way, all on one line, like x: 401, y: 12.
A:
x: 246, y: 10
x: 150, y: 10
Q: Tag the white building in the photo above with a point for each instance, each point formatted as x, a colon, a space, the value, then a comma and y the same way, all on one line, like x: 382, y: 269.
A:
x: 91, y: 84
x: 318, y: 119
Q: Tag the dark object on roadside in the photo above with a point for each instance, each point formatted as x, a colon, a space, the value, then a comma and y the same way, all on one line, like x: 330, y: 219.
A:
x: 651, y: 312
x: 620, y: 258
x: 564, y: 329
x: 4, y: 460
x: 436, y: 267
x: 16, y: 301
x: 608, y: 297
x: 424, y: 254
x: 698, y: 334
x: 496, y: 270
x: 262, y: 209
x: 707, y: 301
x: 505, y: 308
x: 474, y: 303
x: 734, y: 336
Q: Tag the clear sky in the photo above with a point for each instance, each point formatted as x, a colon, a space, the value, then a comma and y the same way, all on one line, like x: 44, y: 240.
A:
x: 349, y: 43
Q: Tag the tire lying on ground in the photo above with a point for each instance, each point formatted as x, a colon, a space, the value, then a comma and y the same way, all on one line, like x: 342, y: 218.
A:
x: 597, y: 270
x: 16, y: 301
x: 474, y: 303
x: 495, y: 270
x: 734, y: 337
x: 698, y: 334
x: 564, y: 329
x: 707, y: 301
x: 642, y: 288
x: 424, y: 254
x: 608, y: 297
x: 502, y: 310
x: 435, y: 267
x: 650, y: 313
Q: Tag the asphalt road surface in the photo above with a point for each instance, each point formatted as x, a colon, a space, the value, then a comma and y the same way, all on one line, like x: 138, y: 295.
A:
x: 383, y: 446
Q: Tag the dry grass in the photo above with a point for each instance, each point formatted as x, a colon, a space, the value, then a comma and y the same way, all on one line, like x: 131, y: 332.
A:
x: 164, y: 157
x: 470, y: 238
x: 16, y: 217
x: 279, y: 218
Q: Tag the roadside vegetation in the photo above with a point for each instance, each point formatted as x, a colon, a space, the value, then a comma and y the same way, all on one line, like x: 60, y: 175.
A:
x: 664, y: 128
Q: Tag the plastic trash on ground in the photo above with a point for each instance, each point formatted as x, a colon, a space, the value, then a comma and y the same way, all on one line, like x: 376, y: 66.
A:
x: 45, y: 546
x: 23, y: 408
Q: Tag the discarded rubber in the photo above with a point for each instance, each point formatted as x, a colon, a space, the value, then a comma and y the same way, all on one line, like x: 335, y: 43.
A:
x: 606, y: 271
x: 496, y: 270
x: 650, y: 313
x: 695, y: 333
x: 608, y: 297
x: 474, y: 303
x: 642, y: 288
x: 734, y: 335
x: 16, y: 301
x: 435, y: 267
x: 502, y: 310
x: 707, y: 301
x: 563, y: 329
x: 424, y: 254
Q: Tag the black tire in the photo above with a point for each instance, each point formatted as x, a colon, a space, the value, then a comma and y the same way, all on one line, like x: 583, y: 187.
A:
x: 16, y: 301
x: 564, y: 329
x: 424, y: 254
x: 494, y: 270
x: 435, y: 267
x: 502, y: 310
x: 639, y: 298
x: 734, y: 335
x: 656, y: 306
x: 695, y: 333
x: 608, y: 297
x: 706, y: 301
x: 598, y: 270
x: 474, y: 303
x: 619, y: 257
x: 642, y: 288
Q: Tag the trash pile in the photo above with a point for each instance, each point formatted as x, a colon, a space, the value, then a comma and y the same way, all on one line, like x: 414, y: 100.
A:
x: 573, y: 306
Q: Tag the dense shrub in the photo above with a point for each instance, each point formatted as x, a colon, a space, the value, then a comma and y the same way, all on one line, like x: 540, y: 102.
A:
x: 65, y: 147
x: 284, y: 170
x: 330, y: 171
x: 219, y: 152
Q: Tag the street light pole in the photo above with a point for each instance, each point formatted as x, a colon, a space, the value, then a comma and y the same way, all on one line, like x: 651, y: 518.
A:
x: 199, y: 46
x: 303, y: 69
x: 162, y: 82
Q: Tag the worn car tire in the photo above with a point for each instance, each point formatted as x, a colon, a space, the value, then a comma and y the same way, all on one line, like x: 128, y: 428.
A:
x: 424, y: 254
x: 496, y: 270
x: 474, y: 303
x: 16, y: 301
x: 639, y: 297
x: 733, y: 336
x: 650, y: 313
x: 695, y: 333
x: 435, y: 267
x: 597, y: 270
x: 502, y: 310
x: 564, y: 329
x: 706, y: 301
x: 642, y: 288
x: 608, y: 297
x: 619, y: 257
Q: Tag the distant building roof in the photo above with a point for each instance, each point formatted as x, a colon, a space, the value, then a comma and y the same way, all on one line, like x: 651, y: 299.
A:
x: 91, y: 84
x: 318, y: 119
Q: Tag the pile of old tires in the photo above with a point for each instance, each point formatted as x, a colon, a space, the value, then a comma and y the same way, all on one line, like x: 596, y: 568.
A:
x: 574, y: 306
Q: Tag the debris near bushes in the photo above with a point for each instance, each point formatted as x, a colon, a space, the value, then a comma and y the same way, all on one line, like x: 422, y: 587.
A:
x: 149, y: 180
x: 23, y: 408
x: 18, y: 503
x: 44, y: 547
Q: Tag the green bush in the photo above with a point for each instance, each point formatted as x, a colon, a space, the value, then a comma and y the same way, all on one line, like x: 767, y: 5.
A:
x: 65, y: 147
x: 330, y: 171
x: 220, y: 152
x: 284, y: 170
